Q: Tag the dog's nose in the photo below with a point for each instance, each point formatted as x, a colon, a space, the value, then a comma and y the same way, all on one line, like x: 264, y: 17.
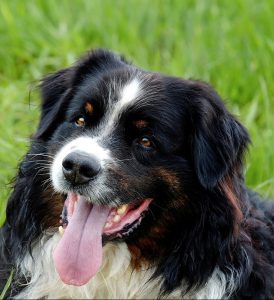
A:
x: 79, y: 167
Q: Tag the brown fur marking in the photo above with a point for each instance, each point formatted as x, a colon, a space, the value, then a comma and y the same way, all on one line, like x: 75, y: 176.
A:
x: 89, y: 108
x: 227, y: 187
x: 169, y: 177
x: 141, y: 123
x: 53, y: 203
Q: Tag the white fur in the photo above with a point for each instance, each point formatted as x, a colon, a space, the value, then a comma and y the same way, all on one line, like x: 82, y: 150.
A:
x: 115, y: 280
x: 127, y: 96
x: 85, y: 144
x: 129, y: 93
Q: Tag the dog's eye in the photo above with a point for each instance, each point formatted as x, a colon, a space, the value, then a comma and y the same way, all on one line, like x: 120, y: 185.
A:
x: 146, y: 142
x: 80, y: 121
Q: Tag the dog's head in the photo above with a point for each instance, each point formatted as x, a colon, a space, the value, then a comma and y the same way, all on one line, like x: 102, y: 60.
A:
x: 137, y: 155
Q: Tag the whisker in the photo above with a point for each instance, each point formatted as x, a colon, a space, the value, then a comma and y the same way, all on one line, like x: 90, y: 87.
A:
x: 42, y: 162
x: 46, y: 183
x: 40, y: 154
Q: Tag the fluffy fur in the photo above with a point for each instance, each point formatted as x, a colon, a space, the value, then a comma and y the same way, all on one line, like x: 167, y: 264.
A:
x: 204, y: 236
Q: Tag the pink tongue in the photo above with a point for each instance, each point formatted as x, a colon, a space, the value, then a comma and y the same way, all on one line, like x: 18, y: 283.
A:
x: 78, y: 255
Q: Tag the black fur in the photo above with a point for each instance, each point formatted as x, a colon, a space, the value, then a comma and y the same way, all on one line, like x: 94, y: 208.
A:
x: 206, y: 215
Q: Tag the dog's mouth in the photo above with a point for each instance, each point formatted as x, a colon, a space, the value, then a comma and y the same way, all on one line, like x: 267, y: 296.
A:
x: 78, y: 255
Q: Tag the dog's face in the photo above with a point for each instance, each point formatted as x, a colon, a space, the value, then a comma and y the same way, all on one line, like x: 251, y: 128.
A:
x: 139, y: 146
x: 113, y: 143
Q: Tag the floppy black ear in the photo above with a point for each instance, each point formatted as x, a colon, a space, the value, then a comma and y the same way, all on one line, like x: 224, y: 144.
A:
x: 218, y: 141
x: 54, y: 91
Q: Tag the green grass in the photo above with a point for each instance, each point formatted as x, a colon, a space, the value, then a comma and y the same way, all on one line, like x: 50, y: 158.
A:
x: 6, y: 287
x: 228, y: 43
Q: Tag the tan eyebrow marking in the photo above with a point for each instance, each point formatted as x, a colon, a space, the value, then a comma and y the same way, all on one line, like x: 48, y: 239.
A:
x: 89, y: 108
x: 141, y: 123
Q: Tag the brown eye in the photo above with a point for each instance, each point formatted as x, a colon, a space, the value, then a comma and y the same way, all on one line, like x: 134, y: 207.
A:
x: 80, y: 122
x: 147, y: 143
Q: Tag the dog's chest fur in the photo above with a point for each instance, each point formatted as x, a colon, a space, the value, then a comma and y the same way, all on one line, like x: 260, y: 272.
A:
x: 115, y: 280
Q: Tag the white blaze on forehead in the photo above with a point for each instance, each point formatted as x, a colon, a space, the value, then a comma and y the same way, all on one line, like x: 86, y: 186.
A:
x: 128, y: 94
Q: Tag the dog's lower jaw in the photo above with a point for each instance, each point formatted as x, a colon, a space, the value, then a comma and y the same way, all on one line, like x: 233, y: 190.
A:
x: 116, y: 278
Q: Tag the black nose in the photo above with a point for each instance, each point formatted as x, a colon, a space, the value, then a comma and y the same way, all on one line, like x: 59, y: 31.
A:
x: 79, y: 167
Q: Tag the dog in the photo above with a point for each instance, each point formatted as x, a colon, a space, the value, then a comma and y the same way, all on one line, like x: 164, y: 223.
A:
x: 133, y: 187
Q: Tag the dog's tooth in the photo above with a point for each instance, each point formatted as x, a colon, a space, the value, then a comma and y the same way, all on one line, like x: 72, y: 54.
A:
x: 122, y: 209
x: 61, y: 230
x: 116, y: 219
x: 108, y: 225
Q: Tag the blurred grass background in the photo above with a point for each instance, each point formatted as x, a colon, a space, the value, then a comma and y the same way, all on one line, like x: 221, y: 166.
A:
x: 227, y: 43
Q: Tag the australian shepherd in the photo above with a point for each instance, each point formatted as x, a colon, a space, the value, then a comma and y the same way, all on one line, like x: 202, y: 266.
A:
x: 133, y: 187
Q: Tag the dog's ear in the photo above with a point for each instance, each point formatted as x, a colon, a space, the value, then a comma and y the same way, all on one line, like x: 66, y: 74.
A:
x: 218, y: 140
x: 55, y: 89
